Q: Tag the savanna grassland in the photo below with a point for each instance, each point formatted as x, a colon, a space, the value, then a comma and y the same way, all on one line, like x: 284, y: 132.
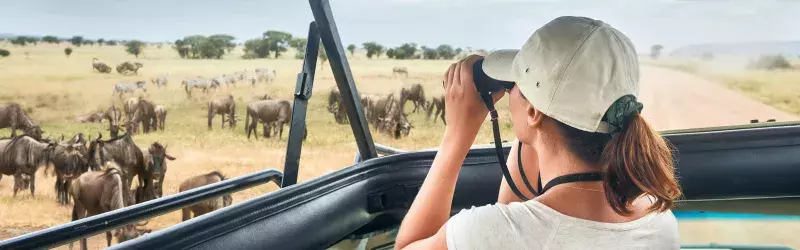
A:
x: 54, y: 88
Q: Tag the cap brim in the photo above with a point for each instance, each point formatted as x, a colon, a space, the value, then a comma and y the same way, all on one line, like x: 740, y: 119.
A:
x: 498, y: 65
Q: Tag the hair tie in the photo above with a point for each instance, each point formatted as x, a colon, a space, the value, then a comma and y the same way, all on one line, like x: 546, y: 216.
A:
x: 621, y: 111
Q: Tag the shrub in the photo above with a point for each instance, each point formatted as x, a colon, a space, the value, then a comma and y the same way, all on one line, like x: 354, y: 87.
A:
x: 771, y: 62
x: 4, y: 53
x: 68, y: 51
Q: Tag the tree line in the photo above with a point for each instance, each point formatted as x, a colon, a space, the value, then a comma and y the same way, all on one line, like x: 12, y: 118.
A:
x: 76, y: 41
x: 271, y: 44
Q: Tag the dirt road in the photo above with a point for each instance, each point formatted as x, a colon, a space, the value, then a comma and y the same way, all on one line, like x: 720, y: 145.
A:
x: 678, y: 100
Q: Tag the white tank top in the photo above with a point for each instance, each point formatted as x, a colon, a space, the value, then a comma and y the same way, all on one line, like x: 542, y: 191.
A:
x: 533, y: 225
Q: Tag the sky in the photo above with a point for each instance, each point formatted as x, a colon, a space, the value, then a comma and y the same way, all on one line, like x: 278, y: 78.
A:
x: 485, y: 24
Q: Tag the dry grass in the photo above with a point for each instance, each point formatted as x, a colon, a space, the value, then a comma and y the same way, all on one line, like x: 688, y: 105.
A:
x: 55, y: 89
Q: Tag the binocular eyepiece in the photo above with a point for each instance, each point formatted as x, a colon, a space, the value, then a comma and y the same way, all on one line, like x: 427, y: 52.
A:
x: 485, y: 84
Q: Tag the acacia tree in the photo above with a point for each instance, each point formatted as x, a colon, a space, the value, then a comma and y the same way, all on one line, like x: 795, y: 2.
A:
x: 100, y: 42
x: 390, y: 53
x: 134, y: 47
x: 655, y: 51
x: 199, y: 46
x: 76, y: 41
x: 406, y: 51
x: 446, y: 52
x: 352, y: 49
x: 50, y: 39
x: 430, y: 53
x: 278, y: 41
x: 299, y: 44
x: 373, y: 49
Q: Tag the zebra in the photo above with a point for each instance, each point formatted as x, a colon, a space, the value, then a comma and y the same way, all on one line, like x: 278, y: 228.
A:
x: 230, y: 79
x: 128, y: 87
x: 266, y: 75
x: 218, y: 81
x: 160, y: 80
x: 198, y: 83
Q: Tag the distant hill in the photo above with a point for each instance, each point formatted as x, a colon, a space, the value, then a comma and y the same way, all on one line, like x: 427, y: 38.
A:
x: 788, y: 48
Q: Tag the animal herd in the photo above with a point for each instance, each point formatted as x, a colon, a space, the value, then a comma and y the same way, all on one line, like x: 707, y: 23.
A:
x: 385, y: 112
x: 97, y: 175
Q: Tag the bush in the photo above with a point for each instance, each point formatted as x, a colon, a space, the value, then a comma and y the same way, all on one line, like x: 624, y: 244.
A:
x: 771, y: 62
x: 134, y: 47
x: 68, y: 51
x: 4, y: 53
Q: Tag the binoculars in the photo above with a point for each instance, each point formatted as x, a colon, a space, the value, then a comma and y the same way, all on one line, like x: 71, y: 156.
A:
x: 484, y: 83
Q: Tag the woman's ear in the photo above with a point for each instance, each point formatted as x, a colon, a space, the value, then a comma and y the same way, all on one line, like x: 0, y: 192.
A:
x: 534, y: 117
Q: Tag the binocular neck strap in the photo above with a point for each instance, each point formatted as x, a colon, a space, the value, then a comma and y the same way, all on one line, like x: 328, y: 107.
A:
x: 579, y: 177
x: 498, y: 144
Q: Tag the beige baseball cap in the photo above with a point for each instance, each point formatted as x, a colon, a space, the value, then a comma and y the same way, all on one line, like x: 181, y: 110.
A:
x: 572, y: 69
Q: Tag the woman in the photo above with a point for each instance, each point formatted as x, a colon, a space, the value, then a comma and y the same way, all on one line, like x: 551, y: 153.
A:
x: 608, y: 177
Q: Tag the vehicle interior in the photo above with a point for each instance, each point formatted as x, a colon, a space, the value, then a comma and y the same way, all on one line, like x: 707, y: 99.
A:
x: 735, y: 170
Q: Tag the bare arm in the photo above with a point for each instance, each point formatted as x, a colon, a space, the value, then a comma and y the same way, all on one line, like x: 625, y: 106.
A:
x: 423, y: 225
x: 431, y: 208
x: 530, y: 163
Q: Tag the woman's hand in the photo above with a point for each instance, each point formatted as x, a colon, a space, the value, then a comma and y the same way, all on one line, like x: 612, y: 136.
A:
x: 464, y: 109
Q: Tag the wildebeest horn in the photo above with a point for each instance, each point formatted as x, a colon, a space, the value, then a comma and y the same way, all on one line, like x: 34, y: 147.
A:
x: 142, y: 223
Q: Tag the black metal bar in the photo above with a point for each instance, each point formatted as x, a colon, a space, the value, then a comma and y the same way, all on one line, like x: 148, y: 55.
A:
x: 344, y: 78
x: 302, y: 92
x: 75, y: 230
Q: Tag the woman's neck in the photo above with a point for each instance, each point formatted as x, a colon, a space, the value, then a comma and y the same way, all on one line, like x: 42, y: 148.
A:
x: 556, y: 160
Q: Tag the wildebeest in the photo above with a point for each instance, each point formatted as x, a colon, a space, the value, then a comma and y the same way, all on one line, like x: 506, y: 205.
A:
x: 100, y: 66
x: 269, y: 112
x: 12, y: 116
x: 160, y: 80
x: 128, y: 87
x: 394, y: 122
x: 438, y: 104
x: 336, y: 107
x: 99, y: 192
x: 379, y: 107
x: 222, y: 106
x: 131, y: 106
x: 129, y: 68
x: 114, y: 117
x: 144, y: 112
x: 69, y: 162
x: 124, y: 152
x: 400, y: 71
x: 161, y: 116
x: 23, y: 155
x: 416, y: 94
x: 90, y: 117
x: 262, y: 97
x: 155, y: 159
x: 205, y: 206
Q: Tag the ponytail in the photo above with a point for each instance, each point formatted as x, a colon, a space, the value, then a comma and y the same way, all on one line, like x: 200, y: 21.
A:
x: 636, y: 159
x: 639, y: 162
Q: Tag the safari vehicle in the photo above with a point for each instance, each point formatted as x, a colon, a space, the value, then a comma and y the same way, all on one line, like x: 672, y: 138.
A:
x: 735, y: 170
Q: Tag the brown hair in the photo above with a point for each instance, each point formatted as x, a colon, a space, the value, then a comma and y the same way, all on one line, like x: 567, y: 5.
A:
x: 637, y: 161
